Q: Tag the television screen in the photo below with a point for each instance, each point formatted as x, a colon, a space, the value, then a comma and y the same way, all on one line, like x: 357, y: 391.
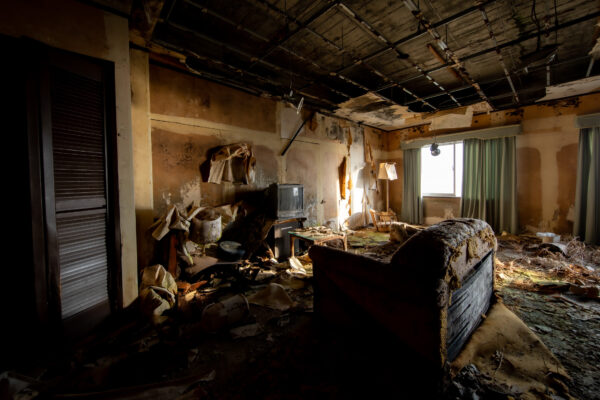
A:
x: 289, y: 200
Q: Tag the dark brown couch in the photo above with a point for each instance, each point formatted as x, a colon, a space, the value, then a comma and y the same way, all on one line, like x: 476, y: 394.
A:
x: 430, y: 296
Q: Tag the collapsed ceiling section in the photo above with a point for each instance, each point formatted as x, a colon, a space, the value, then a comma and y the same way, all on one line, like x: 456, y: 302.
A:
x: 377, y: 62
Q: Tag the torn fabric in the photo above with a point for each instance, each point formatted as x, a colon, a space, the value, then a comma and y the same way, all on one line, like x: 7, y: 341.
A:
x: 232, y: 163
x: 172, y: 219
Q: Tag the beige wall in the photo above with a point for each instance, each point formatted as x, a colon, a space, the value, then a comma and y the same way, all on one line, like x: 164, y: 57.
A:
x: 73, y: 26
x: 546, y: 160
x: 179, y: 117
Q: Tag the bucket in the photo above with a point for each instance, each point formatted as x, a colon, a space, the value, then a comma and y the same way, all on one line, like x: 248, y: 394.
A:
x: 206, y: 227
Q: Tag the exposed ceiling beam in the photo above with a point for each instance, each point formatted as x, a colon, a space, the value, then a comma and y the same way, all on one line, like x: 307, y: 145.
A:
x: 513, y: 42
x: 266, y: 40
x: 499, y: 53
x: 274, y: 8
x: 276, y: 67
x: 246, y: 71
x: 342, y: 50
x: 276, y: 43
x: 235, y: 69
x: 418, y: 14
x: 365, y: 26
x: 144, y: 16
x: 487, y: 82
x: 250, y: 56
x: 416, y: 35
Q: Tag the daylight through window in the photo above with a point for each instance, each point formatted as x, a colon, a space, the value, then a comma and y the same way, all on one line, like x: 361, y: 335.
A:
x: 442, y: 175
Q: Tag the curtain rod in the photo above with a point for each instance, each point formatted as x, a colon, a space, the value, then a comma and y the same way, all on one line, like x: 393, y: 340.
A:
x: 587, y: 121
x: 488, y: 133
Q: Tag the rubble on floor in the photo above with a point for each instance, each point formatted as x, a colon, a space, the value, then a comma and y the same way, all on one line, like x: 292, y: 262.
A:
x: 245, y: 327
x: 553, y: 288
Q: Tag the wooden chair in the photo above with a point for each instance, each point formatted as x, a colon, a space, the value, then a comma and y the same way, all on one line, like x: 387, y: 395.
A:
x: 382, y: 220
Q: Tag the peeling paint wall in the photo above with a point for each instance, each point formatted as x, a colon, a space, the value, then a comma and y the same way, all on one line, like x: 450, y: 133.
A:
x: 189, y: 116
x: 80, y: 28
x: 546, y: 161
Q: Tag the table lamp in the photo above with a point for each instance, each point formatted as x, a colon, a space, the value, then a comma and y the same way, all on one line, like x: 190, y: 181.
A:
x: 387, y: 171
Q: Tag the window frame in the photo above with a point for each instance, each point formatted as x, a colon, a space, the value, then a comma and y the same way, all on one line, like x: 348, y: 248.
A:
x: 454, y: 183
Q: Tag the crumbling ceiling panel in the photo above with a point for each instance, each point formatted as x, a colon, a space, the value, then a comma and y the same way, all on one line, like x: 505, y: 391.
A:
x: 334, y: 51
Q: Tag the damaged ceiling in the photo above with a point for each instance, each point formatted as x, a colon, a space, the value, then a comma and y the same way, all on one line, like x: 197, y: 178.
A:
x: 379, y: 62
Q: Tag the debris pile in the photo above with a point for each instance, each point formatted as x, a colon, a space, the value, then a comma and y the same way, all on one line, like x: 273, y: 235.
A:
x: 553, y: 288
x: 525, y: 262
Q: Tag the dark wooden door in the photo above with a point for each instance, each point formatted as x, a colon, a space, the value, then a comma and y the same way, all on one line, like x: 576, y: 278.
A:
x: 78, y: 142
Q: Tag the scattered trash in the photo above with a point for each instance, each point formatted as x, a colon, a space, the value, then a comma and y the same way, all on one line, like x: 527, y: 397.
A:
x: 548, y: 237
x: 296, y: 265
x: 591, y: 292
x: 231, y: 251
x: 542, y: 328
x: 273, y: 296
x: 157, y: 291
x: 246, y: 331
x: 225, y: 313
x: 15, y: 386
x: 263, y: 275
x: 172, y: 219
x: 201, y: 263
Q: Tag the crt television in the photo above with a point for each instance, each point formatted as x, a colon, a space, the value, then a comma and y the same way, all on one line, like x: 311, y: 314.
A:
x: 286, y: 200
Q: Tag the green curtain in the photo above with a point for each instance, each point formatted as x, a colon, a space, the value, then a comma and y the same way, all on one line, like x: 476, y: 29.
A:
x: 412, y: 203
x: 489, y: 189
x: 587, y: 197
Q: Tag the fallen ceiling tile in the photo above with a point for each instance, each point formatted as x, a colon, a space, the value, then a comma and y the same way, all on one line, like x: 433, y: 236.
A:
x: 573, y: 88
x: 372, y: 110
x: 450, y: 121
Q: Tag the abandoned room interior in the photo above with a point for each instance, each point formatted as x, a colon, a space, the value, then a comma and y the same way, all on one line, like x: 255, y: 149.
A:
x: 291, y: 199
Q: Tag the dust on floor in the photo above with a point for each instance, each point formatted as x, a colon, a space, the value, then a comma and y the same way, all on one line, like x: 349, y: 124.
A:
x: 554, y: 290
x: 280, y: 354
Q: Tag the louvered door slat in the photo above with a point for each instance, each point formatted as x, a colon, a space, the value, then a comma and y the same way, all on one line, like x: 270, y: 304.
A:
x: 80, y: 190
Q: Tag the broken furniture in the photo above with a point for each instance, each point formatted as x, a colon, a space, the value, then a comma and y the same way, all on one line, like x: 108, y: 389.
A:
x: 312, y: 236
x: 400, y: 232
x: 382, y: 220
x: 430, y: 296
x: 279, y: 236
x: 285, y: 202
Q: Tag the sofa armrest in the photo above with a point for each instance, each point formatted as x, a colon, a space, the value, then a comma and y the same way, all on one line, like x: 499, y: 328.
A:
x: 446, y: 252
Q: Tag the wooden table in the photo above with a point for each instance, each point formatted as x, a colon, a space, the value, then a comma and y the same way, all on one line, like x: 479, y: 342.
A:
x: 315, y: 238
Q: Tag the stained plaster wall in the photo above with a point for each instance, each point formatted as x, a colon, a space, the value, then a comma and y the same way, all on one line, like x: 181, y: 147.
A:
x: 179, y: 117
x: 76, y: 27
x: 546, y: 161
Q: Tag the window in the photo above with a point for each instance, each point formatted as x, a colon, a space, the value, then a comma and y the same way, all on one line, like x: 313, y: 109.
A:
x: 442, y: 175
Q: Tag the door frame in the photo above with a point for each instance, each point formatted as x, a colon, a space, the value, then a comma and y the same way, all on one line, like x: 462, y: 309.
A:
x: 39, y: 128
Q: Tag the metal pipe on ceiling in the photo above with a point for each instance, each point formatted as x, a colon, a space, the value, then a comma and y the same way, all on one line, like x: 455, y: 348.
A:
x: 264, y: 39
x: 356, y: 61
x: 276, y: 67
x: 499, y: 53
x: 237, y: 70
x: 365, y: 26
x: 590, y: 66
x: 416, y: 35
x: 313, y: 81
x: 446, y: 49
x: 511, y: 43
x: 431, y: 96
x: 322, y: 11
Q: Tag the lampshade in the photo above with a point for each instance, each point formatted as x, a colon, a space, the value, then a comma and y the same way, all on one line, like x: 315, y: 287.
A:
x: 387, y: 171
